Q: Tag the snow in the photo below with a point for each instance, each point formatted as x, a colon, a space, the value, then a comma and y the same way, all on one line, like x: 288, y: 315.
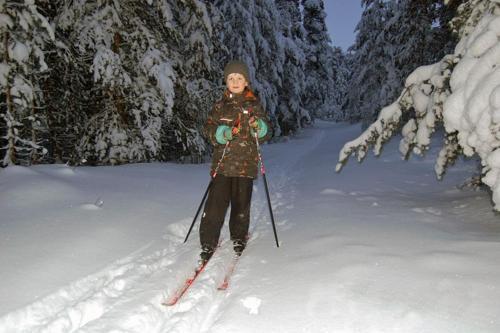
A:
x: 381, y: 247
x: 252, y: 304
x: 420, y: 74
x: 19, y: 52
x: 5, y: 21
x: 471, y: 108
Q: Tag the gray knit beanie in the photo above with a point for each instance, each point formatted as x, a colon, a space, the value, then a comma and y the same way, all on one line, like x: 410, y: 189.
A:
x: 236, y: 66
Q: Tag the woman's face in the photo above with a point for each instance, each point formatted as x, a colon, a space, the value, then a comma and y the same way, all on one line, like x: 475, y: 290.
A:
x: 236, y: 83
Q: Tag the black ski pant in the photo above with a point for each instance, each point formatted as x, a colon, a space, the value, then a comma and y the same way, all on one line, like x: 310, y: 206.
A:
x: 236, y: 191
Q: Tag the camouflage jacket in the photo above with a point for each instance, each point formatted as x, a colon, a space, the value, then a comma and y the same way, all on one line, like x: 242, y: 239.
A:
x: 241, y: 158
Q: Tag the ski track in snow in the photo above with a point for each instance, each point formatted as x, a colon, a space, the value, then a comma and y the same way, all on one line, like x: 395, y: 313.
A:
x: 127, y: 295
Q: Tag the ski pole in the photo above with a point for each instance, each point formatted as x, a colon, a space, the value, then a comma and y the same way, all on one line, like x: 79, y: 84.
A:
x: 199, y: 208
x: 206, y: 192
x: 263, y: 172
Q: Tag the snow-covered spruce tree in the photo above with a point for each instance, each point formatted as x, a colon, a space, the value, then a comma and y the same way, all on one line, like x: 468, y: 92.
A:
x: 195, y: 85
x: 318, y: 96
x: 394, y: 37
x: 220, y: 53
x: 462, y: 92
x: 408, y: 36
x: 133, y: 79
x: 251, y: 34
x: 442, y: 37
x: 236, y: 32
x: 233, y: 23
x: 291, y: 109
x: 341, y: 77
x: 367, y: 60
x: 67, y: 87
x: 405, y: 39
x: 271, y: 55
x: 25, y: 34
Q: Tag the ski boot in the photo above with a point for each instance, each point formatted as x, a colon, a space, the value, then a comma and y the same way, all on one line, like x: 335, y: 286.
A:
x: 239, y: 246
x: 205, y: 255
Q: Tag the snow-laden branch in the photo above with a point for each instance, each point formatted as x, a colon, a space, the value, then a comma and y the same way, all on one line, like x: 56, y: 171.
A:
x: 462, y: 92
x: 423, y: 95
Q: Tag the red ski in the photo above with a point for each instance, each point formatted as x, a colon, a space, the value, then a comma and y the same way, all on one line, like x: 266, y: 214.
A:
x: 189, y: 281
x: 182, y: 289
x: 229, y: 273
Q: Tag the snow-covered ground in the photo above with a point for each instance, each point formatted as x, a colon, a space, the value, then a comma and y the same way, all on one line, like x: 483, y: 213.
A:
x: 380, y: 247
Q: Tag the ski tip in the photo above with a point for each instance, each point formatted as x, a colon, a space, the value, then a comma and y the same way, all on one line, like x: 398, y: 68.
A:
x: 223, y: 287
x: 170, y: 302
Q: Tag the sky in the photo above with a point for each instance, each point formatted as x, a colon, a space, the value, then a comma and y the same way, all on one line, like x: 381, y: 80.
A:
x: 342, y: 18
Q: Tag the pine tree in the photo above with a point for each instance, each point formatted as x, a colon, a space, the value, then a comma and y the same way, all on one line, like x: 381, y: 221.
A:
x: 236, y: 32
x: 67, y: 90
x: 132, y: 91
x: 368, y: 62
x: 319, y: 84
x: 195, y: 87
x: 393, y: 37
x: 341, y: 77
x: 443, y: 40
x: 409, y: 34
x: 291, y: 108
x: 25, y: 35
x: 220, y: 53
x: 270, y: 62
x: 251, y: 34
x: 130, y: 81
